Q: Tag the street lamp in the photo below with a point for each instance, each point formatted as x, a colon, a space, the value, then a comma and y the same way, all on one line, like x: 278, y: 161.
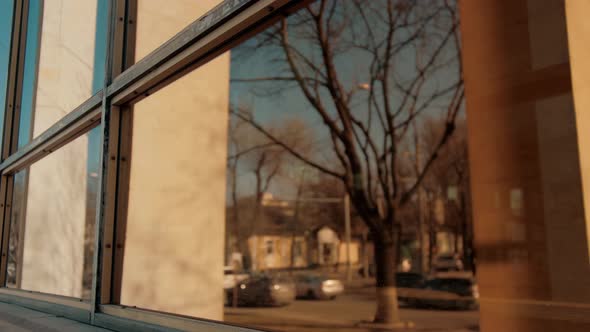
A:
x: 364, y: 86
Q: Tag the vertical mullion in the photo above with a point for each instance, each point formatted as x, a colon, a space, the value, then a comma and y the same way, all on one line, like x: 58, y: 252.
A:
x: 125, y: 134
x: 15, y: 70
x: 11, y: 123
x: 107, y: 176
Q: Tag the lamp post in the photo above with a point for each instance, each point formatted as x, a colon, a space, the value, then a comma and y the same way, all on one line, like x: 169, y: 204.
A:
x: 347, y: 235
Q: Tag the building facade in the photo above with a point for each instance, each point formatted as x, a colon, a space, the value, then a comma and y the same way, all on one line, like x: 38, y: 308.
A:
x: 129, y: 137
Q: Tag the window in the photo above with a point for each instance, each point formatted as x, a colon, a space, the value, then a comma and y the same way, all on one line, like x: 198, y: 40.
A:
x: 269, y: 247
x: 52, y: 228
x: 63, y: 61
x: 260, y: 129
x: 345, y: 160
x: 173, y: 236
x: 6, y: 15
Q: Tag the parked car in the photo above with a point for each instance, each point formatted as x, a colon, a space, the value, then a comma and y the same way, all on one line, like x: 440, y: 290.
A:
x: 452, y: 292
x: 231, y: 277
x: 409, y: 280
x: 263, y: 290
x: 404, y: 266
x: 317, y: 287
x: 447, y: 262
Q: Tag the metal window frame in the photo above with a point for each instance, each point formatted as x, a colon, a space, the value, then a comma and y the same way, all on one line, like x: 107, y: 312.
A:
x: 220, y: 29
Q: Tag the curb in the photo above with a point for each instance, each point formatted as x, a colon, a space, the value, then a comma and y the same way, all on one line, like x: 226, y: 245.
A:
x: 403, y: 325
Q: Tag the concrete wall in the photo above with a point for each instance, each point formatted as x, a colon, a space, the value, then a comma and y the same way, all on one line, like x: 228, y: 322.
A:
x: 578, y: 27
x: 174, y: 242
x: 528, y: 199
x: 53, y: 250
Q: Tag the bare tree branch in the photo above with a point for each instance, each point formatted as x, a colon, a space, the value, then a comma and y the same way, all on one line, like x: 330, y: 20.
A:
x: 449, y: 129
x: 294, y: 153
x: 253, y: 148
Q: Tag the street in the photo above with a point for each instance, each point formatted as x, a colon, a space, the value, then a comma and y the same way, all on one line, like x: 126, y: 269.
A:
x: 344, y: 314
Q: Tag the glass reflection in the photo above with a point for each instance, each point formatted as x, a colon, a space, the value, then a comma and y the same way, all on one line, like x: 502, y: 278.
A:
x: 52, y: 228
x: 347, y: 133
x: 6, y: 15
x: 63, y: 63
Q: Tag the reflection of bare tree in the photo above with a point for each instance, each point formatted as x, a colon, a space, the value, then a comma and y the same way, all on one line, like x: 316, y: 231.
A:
x: 368, y: 70
x: 449, y: 175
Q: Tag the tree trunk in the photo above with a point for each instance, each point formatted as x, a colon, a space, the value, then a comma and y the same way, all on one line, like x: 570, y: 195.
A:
x: 459, y: 222
x: 386, y: 264
x: 294, y: 225
x: 467, y: 243
x: 365, y: 255
x: 236, y: 210
x: 430, y: 239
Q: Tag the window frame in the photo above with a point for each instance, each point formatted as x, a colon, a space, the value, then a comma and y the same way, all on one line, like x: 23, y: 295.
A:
x: 219, y: 30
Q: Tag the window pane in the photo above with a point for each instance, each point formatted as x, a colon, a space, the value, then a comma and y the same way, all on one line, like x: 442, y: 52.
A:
x: 64, y: 57
x: 233, y: 168
x: 367, y: 143
x: 156, y: 24
x: 174, y: 234
x: 53, y: 223
x: 6, y: 15
x: 334, y: 114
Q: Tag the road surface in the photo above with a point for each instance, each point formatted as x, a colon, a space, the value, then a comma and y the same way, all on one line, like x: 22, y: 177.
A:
x: 344, y: 314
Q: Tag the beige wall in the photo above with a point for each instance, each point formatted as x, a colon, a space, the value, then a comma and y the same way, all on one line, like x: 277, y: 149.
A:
x: 528, y: 205
x: 56, y: 204
x: 157, y: 22
x: 174, y: 242
x: 578, y: 26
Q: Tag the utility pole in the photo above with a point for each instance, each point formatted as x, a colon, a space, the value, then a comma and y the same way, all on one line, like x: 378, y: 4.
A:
x: 296, y: 220
x: 423, y: 264
x: 347, y: 235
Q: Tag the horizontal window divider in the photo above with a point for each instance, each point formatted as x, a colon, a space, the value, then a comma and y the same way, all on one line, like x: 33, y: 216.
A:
x: 568, y: 311
x: 67, y: 307
x: 171, y: 321
x: 187, y: 36
x: 68, y: 128
x: 191, y: 47
x: 116, y: 323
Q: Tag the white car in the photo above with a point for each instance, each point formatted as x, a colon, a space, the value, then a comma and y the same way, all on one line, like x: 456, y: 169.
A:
x: 318, y: 287
x: 231, y: 279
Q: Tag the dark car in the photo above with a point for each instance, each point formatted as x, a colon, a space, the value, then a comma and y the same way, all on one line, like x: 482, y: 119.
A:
x: 451, y: 292
x: 447, y: 262
x: 409, y: 280
x: 264, y: 290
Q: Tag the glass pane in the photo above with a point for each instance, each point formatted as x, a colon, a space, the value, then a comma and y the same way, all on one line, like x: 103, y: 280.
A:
x: 6, y: 15
x: 52, y: 227
x: 371, y: 163
x: 241, y: 166
x: 173, y: 242
x: 335, y: 114
x: 64, y: 60
x: 156, y: 24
